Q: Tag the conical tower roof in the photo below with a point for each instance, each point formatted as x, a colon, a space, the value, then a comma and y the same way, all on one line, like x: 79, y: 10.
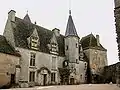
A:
x: 70, y: 30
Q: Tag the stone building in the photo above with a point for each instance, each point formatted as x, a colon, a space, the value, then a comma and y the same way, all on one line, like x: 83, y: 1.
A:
x: 117, y: 21
x: 97, y: 56
x: 9, y: 64
x: 48, y: 57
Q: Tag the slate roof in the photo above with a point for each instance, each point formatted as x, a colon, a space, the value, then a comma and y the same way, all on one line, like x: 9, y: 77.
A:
x: 70, y: 30
x: 6, y: 48
x: 90, y: 41
x: 23, y: 30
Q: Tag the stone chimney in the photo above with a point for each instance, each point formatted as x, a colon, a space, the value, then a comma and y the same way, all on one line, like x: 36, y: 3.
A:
x: 56, y: 31
x: 11, y: 15
x: 98, y: 41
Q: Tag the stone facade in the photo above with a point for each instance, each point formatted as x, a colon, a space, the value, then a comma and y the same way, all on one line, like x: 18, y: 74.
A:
x: 49, y: 58
x: 9, y: 65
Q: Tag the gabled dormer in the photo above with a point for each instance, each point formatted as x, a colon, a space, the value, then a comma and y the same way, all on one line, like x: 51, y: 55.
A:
x: 27, y: 18
x: 33, y: 40
x: 53, y: 45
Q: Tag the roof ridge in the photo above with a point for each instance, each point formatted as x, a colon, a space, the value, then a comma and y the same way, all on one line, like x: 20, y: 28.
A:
x: 38, y: 25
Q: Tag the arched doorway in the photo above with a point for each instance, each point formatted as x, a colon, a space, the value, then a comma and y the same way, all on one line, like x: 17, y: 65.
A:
x: 43, y: 75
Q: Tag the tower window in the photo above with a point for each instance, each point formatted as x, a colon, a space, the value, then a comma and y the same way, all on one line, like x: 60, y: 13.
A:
x: 66, y: 47
x: 77, y: 61
x: 76, y: 45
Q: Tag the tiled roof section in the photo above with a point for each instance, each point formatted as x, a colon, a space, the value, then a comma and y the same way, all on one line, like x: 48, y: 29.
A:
x: 27, y: 18
x: 70, y: 30
x: 6, y: 48
x: 23, y: 30
x: 90, y: 41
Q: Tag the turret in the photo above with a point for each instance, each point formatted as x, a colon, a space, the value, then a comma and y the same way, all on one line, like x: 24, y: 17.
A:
x: 71, y: 41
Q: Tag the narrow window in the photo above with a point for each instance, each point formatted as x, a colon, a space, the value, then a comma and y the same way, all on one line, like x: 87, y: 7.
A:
x: 32, y: 59
x: 31, y: 76
x: 76, y: 45
x: 81, y: 76
x: 53, y: 77
x: 77, y: 61
x: 54, y: 63
x: 66, y: 47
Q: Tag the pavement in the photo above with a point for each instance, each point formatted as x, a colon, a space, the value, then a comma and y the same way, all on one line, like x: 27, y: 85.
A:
x: 72, y: 87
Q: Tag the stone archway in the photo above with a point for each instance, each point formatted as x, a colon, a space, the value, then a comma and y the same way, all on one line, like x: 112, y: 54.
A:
x: 43, y: 76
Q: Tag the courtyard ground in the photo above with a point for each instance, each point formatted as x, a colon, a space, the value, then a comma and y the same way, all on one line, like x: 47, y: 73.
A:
x: 73, y: 87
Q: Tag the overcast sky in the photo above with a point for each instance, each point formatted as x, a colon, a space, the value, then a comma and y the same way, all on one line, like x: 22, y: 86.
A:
x: 96, y: 16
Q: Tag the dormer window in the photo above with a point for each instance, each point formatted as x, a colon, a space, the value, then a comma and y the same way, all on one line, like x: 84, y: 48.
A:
x: 34, y: 43
x: 54, y: 47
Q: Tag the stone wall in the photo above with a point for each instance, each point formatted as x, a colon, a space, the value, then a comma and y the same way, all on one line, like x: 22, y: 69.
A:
x: 8, y: 65
x: 41, y: 60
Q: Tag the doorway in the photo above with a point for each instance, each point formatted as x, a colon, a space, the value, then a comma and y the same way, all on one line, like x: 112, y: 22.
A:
x: 44, y: 79
x: 71, y: 81
x: 12, y: 79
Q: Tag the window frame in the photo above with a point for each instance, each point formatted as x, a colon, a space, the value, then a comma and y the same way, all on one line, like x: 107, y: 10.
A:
x: 34, y: 42
x: 32, y: 59
x: 54, y: 62
x: 66, y: 47
x: 53, y: 76
x: 31, y: 76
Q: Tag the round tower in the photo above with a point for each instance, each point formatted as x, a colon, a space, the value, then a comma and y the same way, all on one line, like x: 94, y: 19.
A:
x: 71, y: 41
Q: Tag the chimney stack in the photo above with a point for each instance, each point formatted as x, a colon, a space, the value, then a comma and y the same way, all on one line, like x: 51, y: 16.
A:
x: 56, y: 31
x: 98, y: 41
x: 11, y: 15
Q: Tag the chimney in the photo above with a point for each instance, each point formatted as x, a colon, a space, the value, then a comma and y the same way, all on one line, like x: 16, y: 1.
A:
x: 11, y: 15
x: 117, y: 3
x: 98, y: 41
x: 56, y: 31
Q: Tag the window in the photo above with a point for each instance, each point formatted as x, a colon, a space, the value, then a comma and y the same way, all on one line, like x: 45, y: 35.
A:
x: 32, y: 59
x: 81, y: 76
x: 54, y: 63
x: 85, y: 66
x: 76, y: 45
x: 53, y: 77
x: 34, y: 42
x: 66, y: 47
x: 54, y: 47
x: 77, y: 61
x: 31, y: 76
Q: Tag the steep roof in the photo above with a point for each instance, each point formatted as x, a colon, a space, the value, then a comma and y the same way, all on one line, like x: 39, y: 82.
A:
x: 70, y: 30
x: 7, y: 48
x: 90, y: 41
x: 27, y: 18
x: 23, y: 30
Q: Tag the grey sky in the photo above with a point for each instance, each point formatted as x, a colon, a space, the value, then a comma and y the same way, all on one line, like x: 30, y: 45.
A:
x: 96, y: 16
